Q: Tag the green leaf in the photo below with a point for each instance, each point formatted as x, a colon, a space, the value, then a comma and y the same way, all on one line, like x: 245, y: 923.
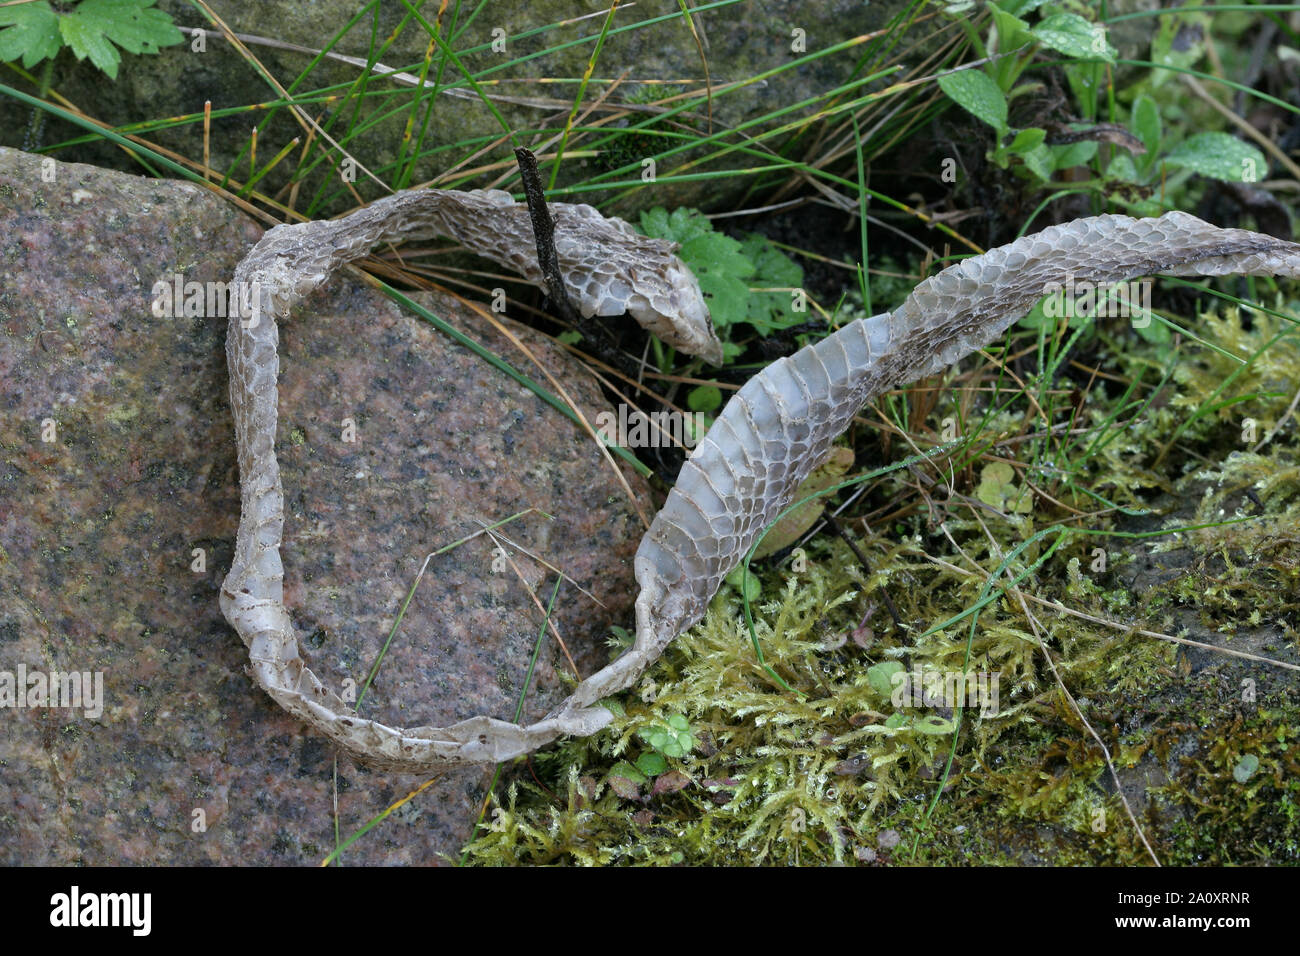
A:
x: 1219, y: 156
x: 33, y: 33
x: 976, y: 93
x: 718, y: 254
x: 1148, y: 326
x: 673, y: 740
x: 1145, y: 123
x: 998, y: 489
x: 1246, y: 768
x: 1178, y: 42
x: 933, y: 724
x: 1143, y: 209
x: 1039, y: 161
x: 651, y: 764
x: 881, y: 676
x: 86, y: 41
x: 721, y: 269
x: 1027, y: 139
x: 773, y: 269
x: 131, y: 24
x: 1073, y: 154
x: 654, y: 222
x: 745, y: 582
x: 1037, y: 318
x: 627, y: 771
x: 704, y: 398
x: 726, y: 269
x: 682, y: 225
x: 1121, y: 167
x: 1074, y: 36
x: 95, y: 25
x: 1021, y: 7
x: 1013, y: 33
x: 726, y: 296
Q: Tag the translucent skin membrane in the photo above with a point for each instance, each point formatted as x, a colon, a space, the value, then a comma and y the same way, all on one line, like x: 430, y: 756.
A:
x: 770, y: 436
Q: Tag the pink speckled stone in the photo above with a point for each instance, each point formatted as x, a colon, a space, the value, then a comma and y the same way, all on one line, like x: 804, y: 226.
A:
x: 97, y: 530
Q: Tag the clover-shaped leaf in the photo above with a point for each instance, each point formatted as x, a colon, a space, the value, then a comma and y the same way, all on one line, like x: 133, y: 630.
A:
x: 671, y: 738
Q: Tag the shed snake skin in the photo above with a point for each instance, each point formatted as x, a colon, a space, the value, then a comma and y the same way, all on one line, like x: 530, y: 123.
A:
x: 772, y: 433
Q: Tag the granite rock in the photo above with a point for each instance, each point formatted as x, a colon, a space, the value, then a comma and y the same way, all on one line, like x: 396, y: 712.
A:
x: 118, y: 507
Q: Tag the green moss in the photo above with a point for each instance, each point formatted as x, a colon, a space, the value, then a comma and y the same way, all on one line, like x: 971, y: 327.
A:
x: 1204, y: 744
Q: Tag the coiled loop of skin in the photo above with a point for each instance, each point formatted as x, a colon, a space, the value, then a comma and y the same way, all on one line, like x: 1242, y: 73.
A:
x: 768, y: 438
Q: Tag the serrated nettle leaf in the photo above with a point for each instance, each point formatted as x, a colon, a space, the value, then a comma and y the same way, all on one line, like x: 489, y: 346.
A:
x: 131, y: 24
x: 1219, y: 156
x: 727, y: 269
x: 654, y: 222
x: 682, y: 225
x: 772, y: 267
x: 976, y: 93
x: 727, y: 298
x: 86, y: 41
x: 1072, y: 35
x: 678, y: 226
x: 94, y: 29
x: 32, y: 33
x: 770, y: 311
x: 714, y: 252
x: 1145, y: 122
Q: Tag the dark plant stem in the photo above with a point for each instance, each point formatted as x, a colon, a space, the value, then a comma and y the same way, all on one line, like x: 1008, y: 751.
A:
x: 595, y: 336
x: 36, y: 125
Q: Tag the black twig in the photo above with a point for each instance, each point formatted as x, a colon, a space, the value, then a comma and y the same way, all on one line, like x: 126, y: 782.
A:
x: 596, y: 337
x: 544, y: 233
